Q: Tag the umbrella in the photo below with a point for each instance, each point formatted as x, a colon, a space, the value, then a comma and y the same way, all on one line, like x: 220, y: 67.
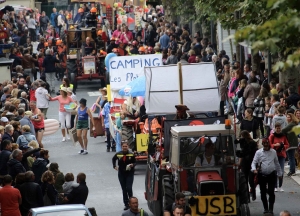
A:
x: 135, y: 88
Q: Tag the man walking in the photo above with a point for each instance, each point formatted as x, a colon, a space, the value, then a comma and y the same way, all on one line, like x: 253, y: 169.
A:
x: 49, y: 69
x: 10, y: 198
x: 134, y: 208
x: 267, y: 162
x: 53, y: 19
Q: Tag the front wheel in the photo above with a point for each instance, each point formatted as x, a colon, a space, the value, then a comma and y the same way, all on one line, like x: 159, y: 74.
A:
x: 244, y: 210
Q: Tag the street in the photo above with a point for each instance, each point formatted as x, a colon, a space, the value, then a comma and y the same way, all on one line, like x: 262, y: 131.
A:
x: 104, y: 188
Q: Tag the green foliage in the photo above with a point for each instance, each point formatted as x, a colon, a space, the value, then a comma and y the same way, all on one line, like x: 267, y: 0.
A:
x: 278, y: 34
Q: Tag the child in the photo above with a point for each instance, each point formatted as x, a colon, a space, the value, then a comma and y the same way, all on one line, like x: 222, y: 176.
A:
x: 279, y: 117
x: 69, y: 184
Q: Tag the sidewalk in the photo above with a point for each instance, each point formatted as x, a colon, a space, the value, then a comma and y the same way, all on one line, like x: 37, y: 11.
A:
x: 296, y: 178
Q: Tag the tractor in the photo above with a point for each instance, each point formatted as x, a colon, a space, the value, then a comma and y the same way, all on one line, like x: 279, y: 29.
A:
x: 80, y: 66
x: 199, y: 160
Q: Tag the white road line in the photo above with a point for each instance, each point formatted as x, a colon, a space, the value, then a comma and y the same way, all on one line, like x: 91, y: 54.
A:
x: 94, y: 94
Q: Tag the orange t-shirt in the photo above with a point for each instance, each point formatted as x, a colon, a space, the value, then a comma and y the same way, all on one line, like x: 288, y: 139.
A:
x: 9, y: 200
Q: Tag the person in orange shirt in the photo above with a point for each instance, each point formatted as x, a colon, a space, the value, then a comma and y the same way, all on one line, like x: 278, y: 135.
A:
x: 10, y: 198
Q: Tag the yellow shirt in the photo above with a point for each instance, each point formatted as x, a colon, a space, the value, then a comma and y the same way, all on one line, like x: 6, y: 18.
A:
x: 274, y: 91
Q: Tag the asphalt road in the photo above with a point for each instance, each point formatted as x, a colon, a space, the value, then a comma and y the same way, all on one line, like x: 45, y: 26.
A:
x: 104, y: 188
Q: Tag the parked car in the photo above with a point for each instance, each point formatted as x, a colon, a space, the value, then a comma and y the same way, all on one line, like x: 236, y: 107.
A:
x: 61, y: 210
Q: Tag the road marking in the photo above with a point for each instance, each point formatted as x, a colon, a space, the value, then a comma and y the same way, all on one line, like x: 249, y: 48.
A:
x: 94, y: 94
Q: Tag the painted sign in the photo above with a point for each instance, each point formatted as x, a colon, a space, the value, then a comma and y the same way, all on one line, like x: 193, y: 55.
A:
x: 89, y: 65
x: 142, y: 142
x: 124, y: 69
x: 214, y: 205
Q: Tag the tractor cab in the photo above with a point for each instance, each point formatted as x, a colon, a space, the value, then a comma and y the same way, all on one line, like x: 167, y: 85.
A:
x: 202, y: 162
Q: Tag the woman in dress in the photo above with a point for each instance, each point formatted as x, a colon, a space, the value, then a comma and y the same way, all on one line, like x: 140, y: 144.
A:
x: 98, y: 105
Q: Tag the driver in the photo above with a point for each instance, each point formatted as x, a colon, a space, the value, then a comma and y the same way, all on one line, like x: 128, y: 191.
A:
x: 88, y: 46
x: 208, y: 159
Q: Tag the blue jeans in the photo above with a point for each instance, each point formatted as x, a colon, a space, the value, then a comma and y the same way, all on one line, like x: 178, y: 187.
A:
x: 291, y: 156
x: 118, y: 142
x: 108, y: 138
x: 126, y: 182
x: 281, y: 161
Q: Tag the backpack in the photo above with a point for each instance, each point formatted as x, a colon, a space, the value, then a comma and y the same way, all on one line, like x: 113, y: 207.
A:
x: 56, y: 19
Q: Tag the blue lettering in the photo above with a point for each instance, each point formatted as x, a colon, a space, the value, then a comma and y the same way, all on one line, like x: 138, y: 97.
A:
x: 128, y: 63
x: 116, y: 79
x: 155, y: 64
x: 111, y: 65
x: 147, y: 62
x: 120, y: 64
x: 141, y: 63
x: 129, y: 76
x: 135, y: 62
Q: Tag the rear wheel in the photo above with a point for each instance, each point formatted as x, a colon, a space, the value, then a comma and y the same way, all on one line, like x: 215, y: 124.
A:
x: 127, y: 134
x: 244, y: 210
x: 72, y: 71
x: 243, y: 190
x: 168, y: 196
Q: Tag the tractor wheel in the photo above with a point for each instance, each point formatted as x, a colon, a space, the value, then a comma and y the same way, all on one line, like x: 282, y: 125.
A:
x: 73, y: 81
x: 127, y: 134
x: 243, y: 190
x: 72, y: 72
x: 244, y: 210
x: 168, y: 195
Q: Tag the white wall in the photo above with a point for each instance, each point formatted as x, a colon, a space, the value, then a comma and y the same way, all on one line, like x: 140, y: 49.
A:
x: 225, y: 45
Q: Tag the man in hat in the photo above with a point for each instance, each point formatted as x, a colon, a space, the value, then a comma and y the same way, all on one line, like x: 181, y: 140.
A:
x: 181, y: 112
x: 4, y: 121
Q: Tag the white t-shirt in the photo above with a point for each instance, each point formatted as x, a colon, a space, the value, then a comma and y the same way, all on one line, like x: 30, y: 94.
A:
x: 42, y: 101
x: 205, y: 162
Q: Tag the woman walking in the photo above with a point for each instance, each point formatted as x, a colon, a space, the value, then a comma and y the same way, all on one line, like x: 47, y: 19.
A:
x: 293, y: 141
x: 64, y: 116
x: 249, y: 123
x: 259, y: 110
x: 38, y: 122
x: 279, y: 142
x: 82, y: 125
x: 48, y: 189
x: 32, y: 27
x: 246, y: 155
x: 125, y: 168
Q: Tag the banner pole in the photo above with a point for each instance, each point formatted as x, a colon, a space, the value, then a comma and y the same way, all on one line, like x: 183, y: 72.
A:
x: 180, y: 82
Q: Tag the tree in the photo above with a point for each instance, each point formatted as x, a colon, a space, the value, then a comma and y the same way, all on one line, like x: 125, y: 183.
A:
x: 279, y: 34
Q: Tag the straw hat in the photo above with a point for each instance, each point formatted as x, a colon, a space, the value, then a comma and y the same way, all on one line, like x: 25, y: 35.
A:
x: 70, y: 90
x: 103, y: 89
x: 63, y: 89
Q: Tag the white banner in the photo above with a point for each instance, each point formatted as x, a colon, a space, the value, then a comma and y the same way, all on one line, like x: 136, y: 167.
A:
x: 124, y: 69
x: 200, y: 88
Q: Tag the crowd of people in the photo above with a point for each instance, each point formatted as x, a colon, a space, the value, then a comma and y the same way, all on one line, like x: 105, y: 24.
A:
x: 263, y: 108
